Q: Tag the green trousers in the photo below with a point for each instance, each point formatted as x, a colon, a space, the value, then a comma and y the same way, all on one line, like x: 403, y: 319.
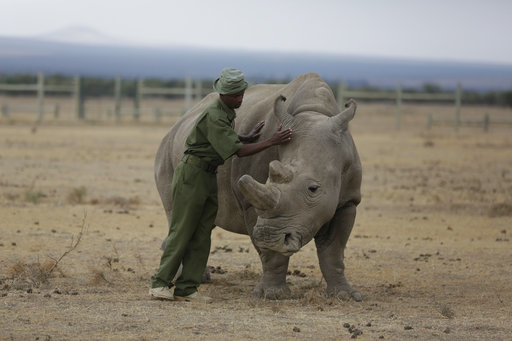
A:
x: 194, y: 208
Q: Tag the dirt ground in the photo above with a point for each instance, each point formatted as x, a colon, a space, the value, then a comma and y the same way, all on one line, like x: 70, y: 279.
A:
x: 430, y: 251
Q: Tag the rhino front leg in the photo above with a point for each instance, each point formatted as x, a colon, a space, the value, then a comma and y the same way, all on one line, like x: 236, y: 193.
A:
x: 273, y: 282
x: 330, y: 243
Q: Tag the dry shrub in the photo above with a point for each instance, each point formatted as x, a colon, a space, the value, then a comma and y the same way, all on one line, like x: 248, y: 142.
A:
x: 500, y: 210
x: 97, y: 276
x: 446, y: 311
x: 117, y: 201
x: 34, y: 197
x: 77, y: 195
x: 30, y: 275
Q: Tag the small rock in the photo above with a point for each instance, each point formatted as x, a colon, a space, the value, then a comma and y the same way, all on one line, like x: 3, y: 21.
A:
x: 47, y: 295
x: 447, y: 331
x: 346, y: 325
x: 296, y: 329
x: 408, y: 327
x: 356, y: 333
x: 29, y: 291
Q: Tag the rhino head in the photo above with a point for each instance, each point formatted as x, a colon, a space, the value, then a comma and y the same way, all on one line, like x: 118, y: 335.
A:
x: 305, y: 187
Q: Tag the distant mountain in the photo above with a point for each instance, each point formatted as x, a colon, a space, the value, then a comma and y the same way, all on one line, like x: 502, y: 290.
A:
x: 99, y: 56
x: 79, y: 35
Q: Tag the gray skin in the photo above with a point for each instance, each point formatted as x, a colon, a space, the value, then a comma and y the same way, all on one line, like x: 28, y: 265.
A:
x: 286, y: 195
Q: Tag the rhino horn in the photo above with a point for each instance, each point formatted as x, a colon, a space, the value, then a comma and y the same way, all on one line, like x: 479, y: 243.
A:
x: 340, y: 121
x: 262, y: 197
x: 278, y: 173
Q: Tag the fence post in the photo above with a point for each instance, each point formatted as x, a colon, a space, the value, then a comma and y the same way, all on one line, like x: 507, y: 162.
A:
x: 398, y: 121
x: 138, y: 99
x: 339, y: 95
x: 429, y: 121
x: 56, y: 111
x: 158, y: 115
x: 486, y: 122
x: 40, y: 96
x: 458, y: 94
x: 199, y: 90
x: 79, y: 101
x: 117, y: 95
x: 188, y: 93
x: 5, y: 111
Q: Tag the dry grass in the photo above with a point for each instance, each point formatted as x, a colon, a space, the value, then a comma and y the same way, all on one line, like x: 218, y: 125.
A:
x: 429, y: 251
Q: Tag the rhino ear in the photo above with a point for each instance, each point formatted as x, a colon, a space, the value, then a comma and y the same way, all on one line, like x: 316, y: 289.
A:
x: 340, y: 121
x: 280, y: 111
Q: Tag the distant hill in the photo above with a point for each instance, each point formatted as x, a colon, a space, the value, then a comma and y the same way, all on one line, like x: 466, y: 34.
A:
x: 101, y: 59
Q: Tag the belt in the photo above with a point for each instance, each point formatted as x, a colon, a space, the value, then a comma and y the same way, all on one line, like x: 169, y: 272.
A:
x: 198, y: 162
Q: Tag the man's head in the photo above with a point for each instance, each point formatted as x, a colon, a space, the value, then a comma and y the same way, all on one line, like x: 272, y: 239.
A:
x: 231, y: 86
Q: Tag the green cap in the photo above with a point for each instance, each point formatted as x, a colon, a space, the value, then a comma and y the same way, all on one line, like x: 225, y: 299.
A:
x: 231, y: 81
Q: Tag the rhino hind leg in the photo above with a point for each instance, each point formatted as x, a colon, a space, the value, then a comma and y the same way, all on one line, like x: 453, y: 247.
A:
x: 330, y: 243
x: 273, y: 285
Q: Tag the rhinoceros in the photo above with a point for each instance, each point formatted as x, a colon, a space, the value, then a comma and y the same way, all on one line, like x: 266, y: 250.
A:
x: 289, y: 194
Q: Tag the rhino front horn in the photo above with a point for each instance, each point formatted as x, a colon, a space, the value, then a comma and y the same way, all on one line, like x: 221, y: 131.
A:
x: 261, y: 197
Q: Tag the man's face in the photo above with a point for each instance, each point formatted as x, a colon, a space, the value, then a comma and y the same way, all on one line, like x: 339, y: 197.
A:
x: 233, y: 101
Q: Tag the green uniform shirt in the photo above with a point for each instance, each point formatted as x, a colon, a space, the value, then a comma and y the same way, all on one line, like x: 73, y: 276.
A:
x: 213, y: 138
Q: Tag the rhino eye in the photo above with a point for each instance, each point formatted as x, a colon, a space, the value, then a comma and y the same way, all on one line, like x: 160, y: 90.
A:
x: 313, y: 189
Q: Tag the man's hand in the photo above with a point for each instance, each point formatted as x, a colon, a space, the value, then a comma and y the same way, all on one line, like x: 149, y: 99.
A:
x: 281, y: 136
x: 254, y: 134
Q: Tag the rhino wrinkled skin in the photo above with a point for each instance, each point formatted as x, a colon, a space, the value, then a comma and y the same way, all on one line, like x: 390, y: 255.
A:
x: 288, y: 194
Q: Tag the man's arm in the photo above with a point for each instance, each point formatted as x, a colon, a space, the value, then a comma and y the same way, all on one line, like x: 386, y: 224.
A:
x: 279, y: 137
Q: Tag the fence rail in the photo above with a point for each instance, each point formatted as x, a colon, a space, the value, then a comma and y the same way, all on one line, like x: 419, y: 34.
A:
x: 399, y: 97
x: 194, y: 90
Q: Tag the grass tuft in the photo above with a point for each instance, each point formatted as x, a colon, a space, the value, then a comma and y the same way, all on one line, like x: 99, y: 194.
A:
x: 77, y: 195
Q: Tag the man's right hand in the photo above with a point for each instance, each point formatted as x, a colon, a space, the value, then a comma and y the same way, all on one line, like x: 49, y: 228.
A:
x: 281, y: 136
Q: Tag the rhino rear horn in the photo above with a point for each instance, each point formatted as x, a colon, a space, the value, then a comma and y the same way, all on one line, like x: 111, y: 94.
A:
x: 278, y: 173
x: 262, y: 197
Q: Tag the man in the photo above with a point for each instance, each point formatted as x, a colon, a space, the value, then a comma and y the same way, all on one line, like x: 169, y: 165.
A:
x: 194, y: 188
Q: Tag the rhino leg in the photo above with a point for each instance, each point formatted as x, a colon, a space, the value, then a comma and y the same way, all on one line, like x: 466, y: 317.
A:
x: 330, y: 243
x: 273, y: 282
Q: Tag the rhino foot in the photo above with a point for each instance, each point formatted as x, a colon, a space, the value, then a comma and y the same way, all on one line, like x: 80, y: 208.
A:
x: 345, y: 293
x: 280, y: 292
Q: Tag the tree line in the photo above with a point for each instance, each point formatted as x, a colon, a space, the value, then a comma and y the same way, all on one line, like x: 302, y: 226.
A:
x: 104, y: 87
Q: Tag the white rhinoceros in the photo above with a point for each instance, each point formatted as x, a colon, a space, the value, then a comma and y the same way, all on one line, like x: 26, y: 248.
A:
x: 288, y: 194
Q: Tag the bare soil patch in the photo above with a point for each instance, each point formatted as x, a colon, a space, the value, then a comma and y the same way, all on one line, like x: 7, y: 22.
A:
x: 430, y: 251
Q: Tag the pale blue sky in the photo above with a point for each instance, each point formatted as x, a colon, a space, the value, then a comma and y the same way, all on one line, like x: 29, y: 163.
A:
x: 455, y: 30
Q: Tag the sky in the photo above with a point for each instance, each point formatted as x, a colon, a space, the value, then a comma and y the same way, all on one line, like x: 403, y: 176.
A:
x: 441, y: 30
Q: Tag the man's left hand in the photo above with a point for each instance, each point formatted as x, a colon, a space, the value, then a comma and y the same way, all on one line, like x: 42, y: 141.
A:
x: 254, y: 134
